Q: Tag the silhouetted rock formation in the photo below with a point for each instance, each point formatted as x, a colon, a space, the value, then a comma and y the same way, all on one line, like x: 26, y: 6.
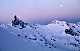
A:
x: 16, y: 21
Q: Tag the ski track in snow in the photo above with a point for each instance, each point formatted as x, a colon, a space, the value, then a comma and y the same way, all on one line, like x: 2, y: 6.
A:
x: 52, y: 35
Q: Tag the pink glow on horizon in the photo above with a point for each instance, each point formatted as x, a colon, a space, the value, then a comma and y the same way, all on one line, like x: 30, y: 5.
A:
x: 39, y: 9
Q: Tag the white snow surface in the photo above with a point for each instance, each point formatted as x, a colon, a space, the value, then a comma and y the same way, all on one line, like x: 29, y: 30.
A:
x: 52, y: 35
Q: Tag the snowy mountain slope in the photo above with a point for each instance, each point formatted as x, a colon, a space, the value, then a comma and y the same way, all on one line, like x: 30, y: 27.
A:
x: 52, y: 35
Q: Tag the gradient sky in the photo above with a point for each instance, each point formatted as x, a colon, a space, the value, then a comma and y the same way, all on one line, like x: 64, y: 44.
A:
x: 38, y: 9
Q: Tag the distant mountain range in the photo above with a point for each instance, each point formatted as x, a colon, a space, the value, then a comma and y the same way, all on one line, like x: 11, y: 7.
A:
x: 74, y: 19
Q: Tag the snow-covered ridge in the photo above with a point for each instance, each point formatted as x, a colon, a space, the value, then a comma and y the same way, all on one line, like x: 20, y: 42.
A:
x: 57, y: 34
